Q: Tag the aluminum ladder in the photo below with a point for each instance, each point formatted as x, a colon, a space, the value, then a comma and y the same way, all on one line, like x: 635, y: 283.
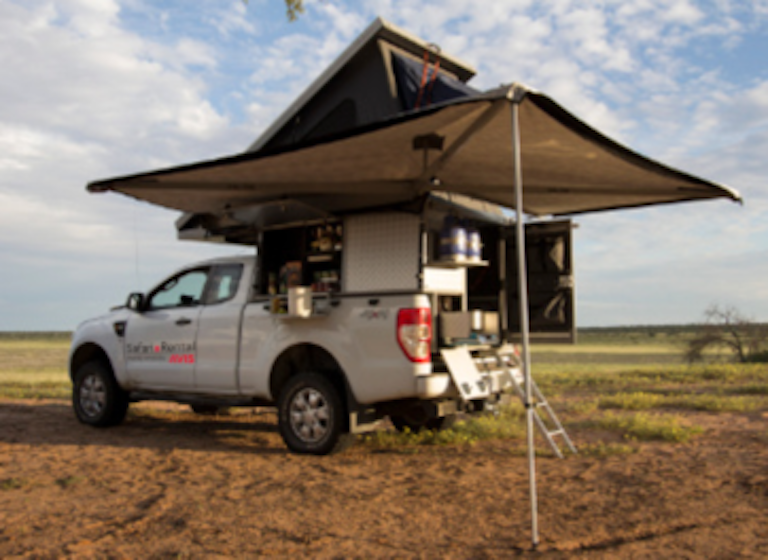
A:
x: 507, y: 360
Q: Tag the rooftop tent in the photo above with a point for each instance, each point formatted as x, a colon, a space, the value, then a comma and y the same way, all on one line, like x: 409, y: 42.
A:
x: 377, y: 76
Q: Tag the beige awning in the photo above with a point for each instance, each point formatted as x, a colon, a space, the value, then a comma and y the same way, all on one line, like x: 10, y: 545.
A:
x: 460, y: 147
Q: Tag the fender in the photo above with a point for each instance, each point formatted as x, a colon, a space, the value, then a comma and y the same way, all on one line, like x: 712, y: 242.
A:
x: 101, y: 335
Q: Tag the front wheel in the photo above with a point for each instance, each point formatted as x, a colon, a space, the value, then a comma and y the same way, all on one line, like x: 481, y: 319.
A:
x: 96, y: 397
x: 311, y: 416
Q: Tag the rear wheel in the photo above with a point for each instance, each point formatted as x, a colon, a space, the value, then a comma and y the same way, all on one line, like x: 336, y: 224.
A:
x: 311, y: 416
x: 96, y: 397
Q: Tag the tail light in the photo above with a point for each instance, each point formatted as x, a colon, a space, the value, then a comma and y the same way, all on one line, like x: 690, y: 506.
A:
x: 414, y: 333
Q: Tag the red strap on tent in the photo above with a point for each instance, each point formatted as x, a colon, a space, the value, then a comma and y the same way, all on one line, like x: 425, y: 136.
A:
x: 428, y: 85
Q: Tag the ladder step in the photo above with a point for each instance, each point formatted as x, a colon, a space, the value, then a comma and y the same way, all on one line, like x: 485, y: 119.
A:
x: 509, y: 363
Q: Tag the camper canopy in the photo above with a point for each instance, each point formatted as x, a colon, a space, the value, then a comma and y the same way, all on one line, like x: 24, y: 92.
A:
x: 463, y: 146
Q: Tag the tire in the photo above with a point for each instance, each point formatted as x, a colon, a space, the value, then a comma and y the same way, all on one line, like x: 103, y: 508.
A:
x: 96, y: 397
x: 401, y: 423
x: 311, y: 416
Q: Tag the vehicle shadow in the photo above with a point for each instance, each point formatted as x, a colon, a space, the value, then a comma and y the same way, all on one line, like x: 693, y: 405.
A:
x: 54, y: 423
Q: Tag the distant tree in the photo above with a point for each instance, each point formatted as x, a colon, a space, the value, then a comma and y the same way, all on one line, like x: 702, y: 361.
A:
x: 294, y: 8
x: 726, y: 328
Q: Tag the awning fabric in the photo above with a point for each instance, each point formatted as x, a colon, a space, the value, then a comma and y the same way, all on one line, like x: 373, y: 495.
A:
x: 462, y: 146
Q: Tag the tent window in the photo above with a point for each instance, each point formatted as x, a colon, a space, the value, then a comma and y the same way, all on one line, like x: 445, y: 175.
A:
x: 408, y: 74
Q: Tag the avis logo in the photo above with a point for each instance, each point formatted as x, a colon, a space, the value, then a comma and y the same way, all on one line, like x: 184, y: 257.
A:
x: 181, y: 359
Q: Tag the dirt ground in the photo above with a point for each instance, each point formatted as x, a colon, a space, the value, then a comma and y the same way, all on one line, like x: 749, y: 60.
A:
x: 169, y: 484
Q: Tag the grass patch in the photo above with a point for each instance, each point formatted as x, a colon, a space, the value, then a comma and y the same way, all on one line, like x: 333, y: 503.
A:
x: 34, y: 365
x: 719, y: 403
x: 602, y: 449
x: 507, y: 425
x: 12, y: 483
x: 69, y: 481
x: 702, y: 402
x: 44, y: 390
x: 578, y: 406
x: 649, y: 427
x: 585, y: 378
x: 750, y: 389
x: 632, y: 401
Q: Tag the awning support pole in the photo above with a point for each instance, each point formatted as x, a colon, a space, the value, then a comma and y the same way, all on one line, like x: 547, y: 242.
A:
x: 522, y: 282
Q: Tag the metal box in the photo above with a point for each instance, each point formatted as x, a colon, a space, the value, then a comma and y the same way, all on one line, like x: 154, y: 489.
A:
x: 381, y: 252
x: 461, y: 324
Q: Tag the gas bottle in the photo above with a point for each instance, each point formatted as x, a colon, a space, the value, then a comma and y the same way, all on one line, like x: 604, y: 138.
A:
x: 474, y: 245
x: 453, y: 240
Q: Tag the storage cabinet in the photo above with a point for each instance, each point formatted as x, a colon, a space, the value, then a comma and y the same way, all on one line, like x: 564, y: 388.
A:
x: 300, y: 267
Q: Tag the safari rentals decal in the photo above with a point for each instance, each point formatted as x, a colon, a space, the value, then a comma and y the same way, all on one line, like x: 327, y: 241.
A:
x: 173, y: 353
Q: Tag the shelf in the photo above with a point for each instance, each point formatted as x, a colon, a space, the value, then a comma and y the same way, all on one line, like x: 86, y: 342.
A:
x: 321, y: 257
x: 457, y: 264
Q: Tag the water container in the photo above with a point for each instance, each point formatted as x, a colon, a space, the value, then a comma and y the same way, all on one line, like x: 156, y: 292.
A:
x: 474, y: 245
x: 453, y: 240
x: 300, y: 301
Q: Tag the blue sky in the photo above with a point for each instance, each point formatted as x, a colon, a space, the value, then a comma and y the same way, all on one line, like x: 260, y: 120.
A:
x: 96, y: 88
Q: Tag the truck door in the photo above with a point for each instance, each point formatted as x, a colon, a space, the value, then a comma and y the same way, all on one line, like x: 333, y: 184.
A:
x: 160, y: 341
x: 218, y: 334
x: 549, y: 257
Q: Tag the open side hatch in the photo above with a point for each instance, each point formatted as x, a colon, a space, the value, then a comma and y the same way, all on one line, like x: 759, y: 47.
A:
x: 551, y: 290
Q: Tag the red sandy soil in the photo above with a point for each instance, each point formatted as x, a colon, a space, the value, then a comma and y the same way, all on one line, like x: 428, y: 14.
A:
x: 169, y: 484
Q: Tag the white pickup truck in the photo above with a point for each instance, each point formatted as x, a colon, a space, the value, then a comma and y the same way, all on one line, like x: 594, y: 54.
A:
x: 337, y: 332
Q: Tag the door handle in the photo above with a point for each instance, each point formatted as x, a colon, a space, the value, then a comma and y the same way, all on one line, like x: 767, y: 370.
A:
x: 183, y: 321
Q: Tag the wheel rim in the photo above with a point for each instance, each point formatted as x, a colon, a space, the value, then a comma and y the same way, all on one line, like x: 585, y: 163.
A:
x: 310, y: 415
x: 93, y: 395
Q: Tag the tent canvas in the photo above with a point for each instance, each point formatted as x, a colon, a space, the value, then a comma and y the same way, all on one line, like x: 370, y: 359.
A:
x: 376, y: 77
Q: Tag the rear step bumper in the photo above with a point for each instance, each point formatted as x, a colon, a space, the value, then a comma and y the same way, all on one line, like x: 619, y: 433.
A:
x: 475, y: 374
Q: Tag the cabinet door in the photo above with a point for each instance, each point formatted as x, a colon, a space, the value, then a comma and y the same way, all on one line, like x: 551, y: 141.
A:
x: 551, y: 297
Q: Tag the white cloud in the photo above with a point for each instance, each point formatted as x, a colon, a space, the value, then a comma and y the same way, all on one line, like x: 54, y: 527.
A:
x: 83, y: 98
x: 87, y: 94
x: 233, y: 18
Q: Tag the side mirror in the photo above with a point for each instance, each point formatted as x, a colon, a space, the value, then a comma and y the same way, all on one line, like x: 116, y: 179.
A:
x: 135, y: 302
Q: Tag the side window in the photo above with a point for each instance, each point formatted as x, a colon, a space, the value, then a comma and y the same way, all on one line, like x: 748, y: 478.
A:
x: 225, y: 280
x: 183, y: 290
